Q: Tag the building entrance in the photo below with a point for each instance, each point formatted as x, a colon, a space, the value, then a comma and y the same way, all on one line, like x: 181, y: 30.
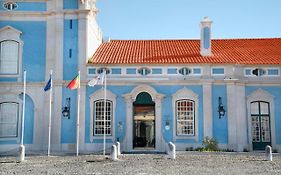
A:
x: 144, y: 122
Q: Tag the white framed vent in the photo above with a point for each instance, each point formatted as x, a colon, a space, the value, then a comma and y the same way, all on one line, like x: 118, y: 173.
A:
x: 10, y: 5
x: 259, y: 72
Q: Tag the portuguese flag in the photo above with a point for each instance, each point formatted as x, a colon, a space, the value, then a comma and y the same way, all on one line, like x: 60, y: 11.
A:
x: 75, y: 83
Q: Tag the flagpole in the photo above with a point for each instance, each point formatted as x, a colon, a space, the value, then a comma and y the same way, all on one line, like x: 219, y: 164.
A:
x: 104, y: 114
x: 50, y: 113
x: 78, y: 113
x: 22, y: 148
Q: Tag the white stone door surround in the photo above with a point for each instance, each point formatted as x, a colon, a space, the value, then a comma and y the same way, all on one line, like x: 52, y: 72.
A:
x: 261, y: 95
x: 130, y: 98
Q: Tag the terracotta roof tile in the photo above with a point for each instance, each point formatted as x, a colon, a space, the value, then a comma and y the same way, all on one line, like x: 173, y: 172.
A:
x: 224, y: 51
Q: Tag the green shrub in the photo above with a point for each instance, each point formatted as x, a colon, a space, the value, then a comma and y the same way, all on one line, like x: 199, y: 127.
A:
x: 210, y: 144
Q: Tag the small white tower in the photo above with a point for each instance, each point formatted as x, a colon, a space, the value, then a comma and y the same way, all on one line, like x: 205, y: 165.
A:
x: 205, y: 40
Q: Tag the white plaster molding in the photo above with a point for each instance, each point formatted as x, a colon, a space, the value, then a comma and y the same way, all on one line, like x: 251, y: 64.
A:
x: 207, y: 110
x: 185, y: 93
x: 157, y: 98
x: 11, y: 33
x: 262, y: 95
x: 99, y: 95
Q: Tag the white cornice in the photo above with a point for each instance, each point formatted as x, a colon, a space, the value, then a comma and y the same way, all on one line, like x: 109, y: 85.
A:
x: 36, y: 16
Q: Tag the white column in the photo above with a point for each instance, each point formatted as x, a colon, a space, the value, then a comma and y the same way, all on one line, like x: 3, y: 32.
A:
x: 82, y: 43
x: 241, y: 117
x: 128, y: 142
x: 82, y: 56
x: 207, y: 110
x: 231, y: 116
x: 54, y: 60
x: 158, y: 124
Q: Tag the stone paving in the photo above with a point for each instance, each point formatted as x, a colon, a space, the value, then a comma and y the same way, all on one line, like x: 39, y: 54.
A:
x: 194, y: 163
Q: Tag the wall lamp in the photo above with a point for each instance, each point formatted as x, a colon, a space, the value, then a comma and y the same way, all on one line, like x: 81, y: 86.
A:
x: 66, y: 109
x: 221, y: 110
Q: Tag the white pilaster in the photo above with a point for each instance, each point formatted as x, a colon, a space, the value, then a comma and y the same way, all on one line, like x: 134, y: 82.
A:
x: 128, y: 142
x: 231, y: 115
x: 82, y: 44
x: 82, y: 117
x: 241, y: 121
x: 54, y: 61
x: 207, y: 110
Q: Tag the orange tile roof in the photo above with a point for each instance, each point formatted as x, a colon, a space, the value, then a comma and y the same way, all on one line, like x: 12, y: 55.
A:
x: 224, y: 51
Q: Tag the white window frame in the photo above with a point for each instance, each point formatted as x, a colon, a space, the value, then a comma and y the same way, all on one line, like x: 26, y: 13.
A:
x: 99, y: 95
x: 184, y: 94
x: 9, y: 33
x: 102, y: 120
x: 185, y: 120
x: 13, y: 98
x: 7, y: 123
x: 217, y: 67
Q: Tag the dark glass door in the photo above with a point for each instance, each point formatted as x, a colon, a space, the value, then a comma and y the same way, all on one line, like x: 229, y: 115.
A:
x: 260, y: 118
x: 144, y: 126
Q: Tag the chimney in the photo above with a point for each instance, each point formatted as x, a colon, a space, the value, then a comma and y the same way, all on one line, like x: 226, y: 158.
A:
x: 205, y: 40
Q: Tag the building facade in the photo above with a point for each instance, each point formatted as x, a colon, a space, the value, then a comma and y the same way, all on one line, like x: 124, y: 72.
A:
x: 157, y: 90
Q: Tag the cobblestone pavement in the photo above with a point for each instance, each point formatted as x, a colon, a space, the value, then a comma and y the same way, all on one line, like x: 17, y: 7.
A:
x: 194, y: 163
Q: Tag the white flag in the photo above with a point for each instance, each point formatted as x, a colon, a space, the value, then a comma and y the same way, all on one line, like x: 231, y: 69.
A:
x: 97, y: 80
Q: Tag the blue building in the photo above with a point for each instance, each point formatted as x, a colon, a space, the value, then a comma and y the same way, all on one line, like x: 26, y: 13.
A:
x: 157, y: 90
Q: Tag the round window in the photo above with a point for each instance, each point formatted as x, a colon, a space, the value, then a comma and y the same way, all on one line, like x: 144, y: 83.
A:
x: 10, y: 5
x: 184, y: 71
x: 144, y: 71
x: 100, y: 70
x: 258, y: 72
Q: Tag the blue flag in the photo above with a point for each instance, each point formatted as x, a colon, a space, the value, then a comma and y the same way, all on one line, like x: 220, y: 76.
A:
x: 48, y: 85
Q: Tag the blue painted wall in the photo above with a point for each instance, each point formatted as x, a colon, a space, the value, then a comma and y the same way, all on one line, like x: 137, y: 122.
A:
x: 70, y: 4
x: 276, y: 93
x: 68, y: 126
x: 34, y: 48
x: 27, y: 6
x: 70, y: 49
x: 28, y: 124
x: 120, y: 114
x: 70, y: 71
x: 167, y: 111
x: 220, y: 129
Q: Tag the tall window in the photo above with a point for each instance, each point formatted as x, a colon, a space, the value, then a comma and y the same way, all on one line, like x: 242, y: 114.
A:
x: 99, y: 121
x: 185, y: 117
x: 9, y: 119
x: 9, y: 57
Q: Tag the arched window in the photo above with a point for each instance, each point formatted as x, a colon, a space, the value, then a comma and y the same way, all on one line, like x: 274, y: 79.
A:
x: 10, y: 52
x: 9, y: 57
x: 185, y: 117
x: 102, y: 125
x: 185, y: 109
x: 9, y: 116
x: 97, y: 119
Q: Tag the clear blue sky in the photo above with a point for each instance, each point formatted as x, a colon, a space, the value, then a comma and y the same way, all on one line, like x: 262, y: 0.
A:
x: 179, y: 19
